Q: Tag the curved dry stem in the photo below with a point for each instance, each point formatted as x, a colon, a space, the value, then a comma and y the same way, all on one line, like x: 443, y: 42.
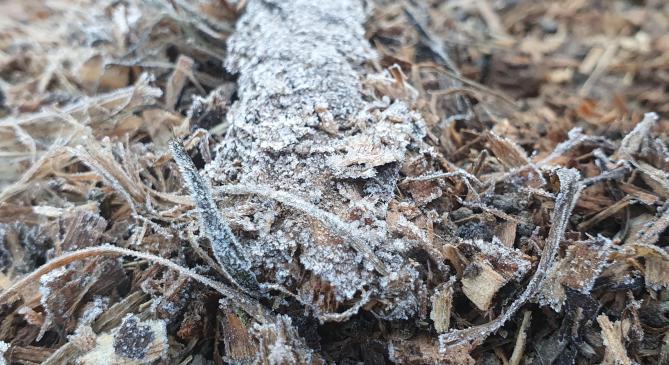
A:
x: 250, y: 306
x: 359, y: 239
x: 327, y: 316
x: 458, y: 173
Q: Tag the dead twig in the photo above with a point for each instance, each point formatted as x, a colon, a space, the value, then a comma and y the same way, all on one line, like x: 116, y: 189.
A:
x: 249, y: 305
x: 359, y: 239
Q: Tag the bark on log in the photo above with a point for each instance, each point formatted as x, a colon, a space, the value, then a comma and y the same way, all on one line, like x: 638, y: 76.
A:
x: 306, y: 126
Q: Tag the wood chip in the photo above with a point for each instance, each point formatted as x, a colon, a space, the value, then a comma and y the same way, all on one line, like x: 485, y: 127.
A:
x: 442, y: 301
x: 613, y: 336
x: 480, y: 282
x: 134, y: 342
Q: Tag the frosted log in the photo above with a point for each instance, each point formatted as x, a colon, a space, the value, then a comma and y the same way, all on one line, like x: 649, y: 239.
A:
x: 304, y: 124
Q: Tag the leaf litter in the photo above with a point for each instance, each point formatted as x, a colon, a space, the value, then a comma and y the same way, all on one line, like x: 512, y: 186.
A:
x: 299, y: 182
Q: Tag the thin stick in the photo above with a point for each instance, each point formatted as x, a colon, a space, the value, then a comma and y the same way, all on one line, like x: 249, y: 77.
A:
x: 483, y: 88
x: 247, y: 304
x: 519, y: 348
x: 459, y: 172
x: 359, y: 240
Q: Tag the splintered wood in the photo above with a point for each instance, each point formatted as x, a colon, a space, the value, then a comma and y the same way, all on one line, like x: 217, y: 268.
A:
x: 480, y: 282
x: 613, y: 335
x: 442, y: 302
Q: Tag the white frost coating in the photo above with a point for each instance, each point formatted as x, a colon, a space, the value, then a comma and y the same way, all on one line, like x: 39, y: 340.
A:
x: 360, y: 238
x: 45, y: 294
x: 224, y: 244
x: 295, y: 54
x: 304, y: 124
x: 4, y: 346
x: 586, y: 268
x: 279, y: 343
x: 512, y: 257
x: 630, y: 144
x: 93, y: 310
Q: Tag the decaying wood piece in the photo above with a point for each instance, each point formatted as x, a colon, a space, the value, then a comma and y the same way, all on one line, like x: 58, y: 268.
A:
x: 303, y: 124
x: 657, y: 268
x: 425, y: 350
x: 582, y: 264
x: 184, y: 68
x: 239, y: 345
x: 480, y: 282
x: 106, y: 321
x: 134, y: 342
x: 279, y: 343
x: 442, y: 302
x: 613, y: 334
x: 570, y: 189
x: 491, y: 266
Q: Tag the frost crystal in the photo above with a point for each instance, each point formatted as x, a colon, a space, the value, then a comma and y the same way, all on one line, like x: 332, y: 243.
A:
x: 4, y: 346
x: 93, y: 309
x: 133, y: 338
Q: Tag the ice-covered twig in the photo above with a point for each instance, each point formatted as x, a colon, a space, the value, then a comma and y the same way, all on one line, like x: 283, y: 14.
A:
x: 225, y: 246
x: 576, y: 139
x: 570, y: 189
x: 536, y: 191
x: 249, y: 305
x: 359, y: 239
x: 325, y: 317
x: 530, y: 168
x: 616, y: 174
x: 460, y: 172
